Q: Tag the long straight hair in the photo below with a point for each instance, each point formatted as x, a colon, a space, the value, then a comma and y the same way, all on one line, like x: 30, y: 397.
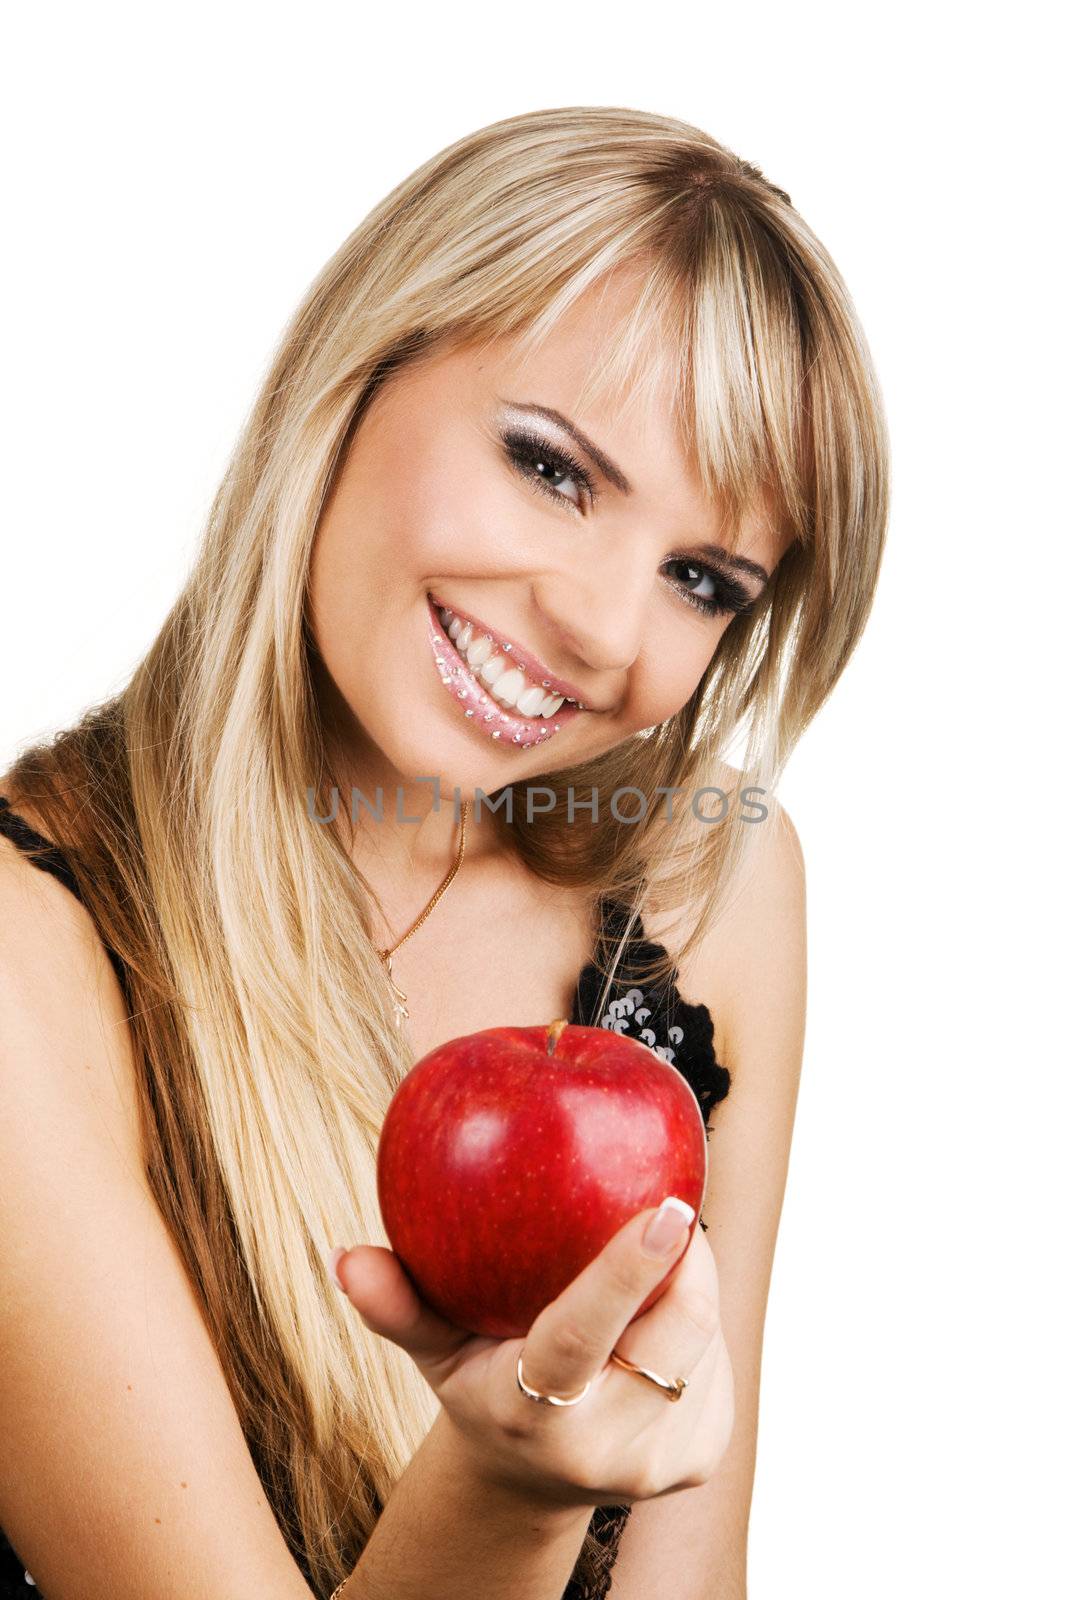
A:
x: 260, y: 1013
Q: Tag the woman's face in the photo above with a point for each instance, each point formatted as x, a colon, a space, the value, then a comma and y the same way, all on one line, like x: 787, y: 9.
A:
x: 565, y: 543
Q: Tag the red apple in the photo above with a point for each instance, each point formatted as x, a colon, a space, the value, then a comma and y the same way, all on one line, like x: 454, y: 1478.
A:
x: 508, y: 1159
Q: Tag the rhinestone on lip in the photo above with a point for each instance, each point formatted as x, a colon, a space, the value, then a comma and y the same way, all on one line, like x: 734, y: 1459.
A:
x: 487, y: 700
x: 545, y: 684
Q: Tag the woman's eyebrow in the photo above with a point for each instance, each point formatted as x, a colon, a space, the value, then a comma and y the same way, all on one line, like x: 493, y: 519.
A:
x: 739, y: 564
x: 615, y: 475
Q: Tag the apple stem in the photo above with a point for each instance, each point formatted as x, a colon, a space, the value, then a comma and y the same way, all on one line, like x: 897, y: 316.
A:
x: 554, y: 1033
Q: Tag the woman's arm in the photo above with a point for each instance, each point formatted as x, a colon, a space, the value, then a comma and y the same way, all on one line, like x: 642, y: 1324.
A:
x: 123, y: 1468
x: 752, y: 974
x: 449, y: 1533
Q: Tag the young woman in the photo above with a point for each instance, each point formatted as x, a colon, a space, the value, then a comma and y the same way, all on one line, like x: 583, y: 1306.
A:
x: 569, y: 472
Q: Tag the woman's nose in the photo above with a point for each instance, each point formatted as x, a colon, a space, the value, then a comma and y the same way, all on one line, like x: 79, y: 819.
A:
x: 595, y: 622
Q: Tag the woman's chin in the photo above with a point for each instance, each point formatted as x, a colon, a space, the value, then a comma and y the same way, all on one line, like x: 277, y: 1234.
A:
x: 431, y: 752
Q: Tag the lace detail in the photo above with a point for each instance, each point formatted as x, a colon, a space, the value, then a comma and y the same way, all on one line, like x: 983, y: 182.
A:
x: 681, y: 1032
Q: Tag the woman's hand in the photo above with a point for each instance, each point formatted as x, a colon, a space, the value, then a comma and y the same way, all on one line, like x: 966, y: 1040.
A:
x: 626, y: 1440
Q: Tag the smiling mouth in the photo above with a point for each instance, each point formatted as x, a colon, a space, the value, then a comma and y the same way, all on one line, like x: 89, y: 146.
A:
x: 491, y: 686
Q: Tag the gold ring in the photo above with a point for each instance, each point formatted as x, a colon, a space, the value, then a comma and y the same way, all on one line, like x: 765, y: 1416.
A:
x: 546, y: 1399
x: 674, y: 1391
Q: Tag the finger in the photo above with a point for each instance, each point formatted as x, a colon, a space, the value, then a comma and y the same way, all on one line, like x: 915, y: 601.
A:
x: 679, y: 1331
x: 383, y: 1294
x: 571, y: 1340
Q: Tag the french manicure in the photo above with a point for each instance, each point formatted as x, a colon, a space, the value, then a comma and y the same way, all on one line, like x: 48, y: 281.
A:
x: 666, y: 1229
x: 331, y: 1264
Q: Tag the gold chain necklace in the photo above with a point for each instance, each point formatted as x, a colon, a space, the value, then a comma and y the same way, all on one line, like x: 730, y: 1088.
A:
x: 399, y: 998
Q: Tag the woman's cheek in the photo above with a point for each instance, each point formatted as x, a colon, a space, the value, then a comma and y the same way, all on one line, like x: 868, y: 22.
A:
x: 661, y: 693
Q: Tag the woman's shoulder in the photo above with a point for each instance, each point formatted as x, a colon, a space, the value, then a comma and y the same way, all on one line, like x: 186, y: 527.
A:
x: 764, y: 911
x: 63, y: 1018
x: 34, y: 884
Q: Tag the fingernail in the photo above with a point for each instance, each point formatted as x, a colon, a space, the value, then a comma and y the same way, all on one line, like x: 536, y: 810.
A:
x: 331, y: 1264
x: 667, y: 1227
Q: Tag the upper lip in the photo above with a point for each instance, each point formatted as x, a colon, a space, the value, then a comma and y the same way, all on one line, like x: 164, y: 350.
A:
x: 534, y: 668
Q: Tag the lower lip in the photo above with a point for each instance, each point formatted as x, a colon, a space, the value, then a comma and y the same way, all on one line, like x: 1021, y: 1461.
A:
x: 496, y: 721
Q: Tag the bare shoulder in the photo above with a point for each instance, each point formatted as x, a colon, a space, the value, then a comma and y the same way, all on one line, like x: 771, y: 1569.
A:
x: 754, y: 957
x: 765, y: 907
x: 63, y: 1023
x: 756, y: 942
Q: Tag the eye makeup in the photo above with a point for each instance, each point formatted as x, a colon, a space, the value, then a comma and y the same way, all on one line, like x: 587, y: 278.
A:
x: 538, y: 462
x: 730, y: 598
x: 529, y: 452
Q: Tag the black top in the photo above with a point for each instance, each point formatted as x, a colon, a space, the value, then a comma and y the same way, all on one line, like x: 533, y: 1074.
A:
x: 679, y: 1032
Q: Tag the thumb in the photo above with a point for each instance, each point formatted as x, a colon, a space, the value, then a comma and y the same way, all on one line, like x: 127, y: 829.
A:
x: 572, y: 1339
x: 376, y: 1284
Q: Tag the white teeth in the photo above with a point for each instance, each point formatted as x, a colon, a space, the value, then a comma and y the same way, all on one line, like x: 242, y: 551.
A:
x: 508, y: 684
x: 492, y: 669
x: 530, y: 702
x: 508, y: 688
x: 480, y: 651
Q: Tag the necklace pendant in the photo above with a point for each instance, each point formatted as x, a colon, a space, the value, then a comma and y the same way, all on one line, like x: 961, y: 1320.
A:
x: 399, y: 997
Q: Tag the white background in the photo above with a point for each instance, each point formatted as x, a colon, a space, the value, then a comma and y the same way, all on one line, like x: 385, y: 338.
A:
x: 179, y: 175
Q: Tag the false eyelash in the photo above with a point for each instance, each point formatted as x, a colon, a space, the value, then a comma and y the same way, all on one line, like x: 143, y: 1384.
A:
x: 735, y: 599
x: 525, y: 449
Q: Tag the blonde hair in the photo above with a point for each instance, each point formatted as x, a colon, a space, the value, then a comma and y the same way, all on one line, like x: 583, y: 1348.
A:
x: 260, y: 1012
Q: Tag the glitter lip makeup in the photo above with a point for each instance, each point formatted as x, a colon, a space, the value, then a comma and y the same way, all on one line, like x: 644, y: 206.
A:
x: 471, y: 683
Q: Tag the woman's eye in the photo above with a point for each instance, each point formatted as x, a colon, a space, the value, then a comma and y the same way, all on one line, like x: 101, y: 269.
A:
x: 706, y: 590
x: 550, y: 469
x: 554, y: 475
x: 702, y: 581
